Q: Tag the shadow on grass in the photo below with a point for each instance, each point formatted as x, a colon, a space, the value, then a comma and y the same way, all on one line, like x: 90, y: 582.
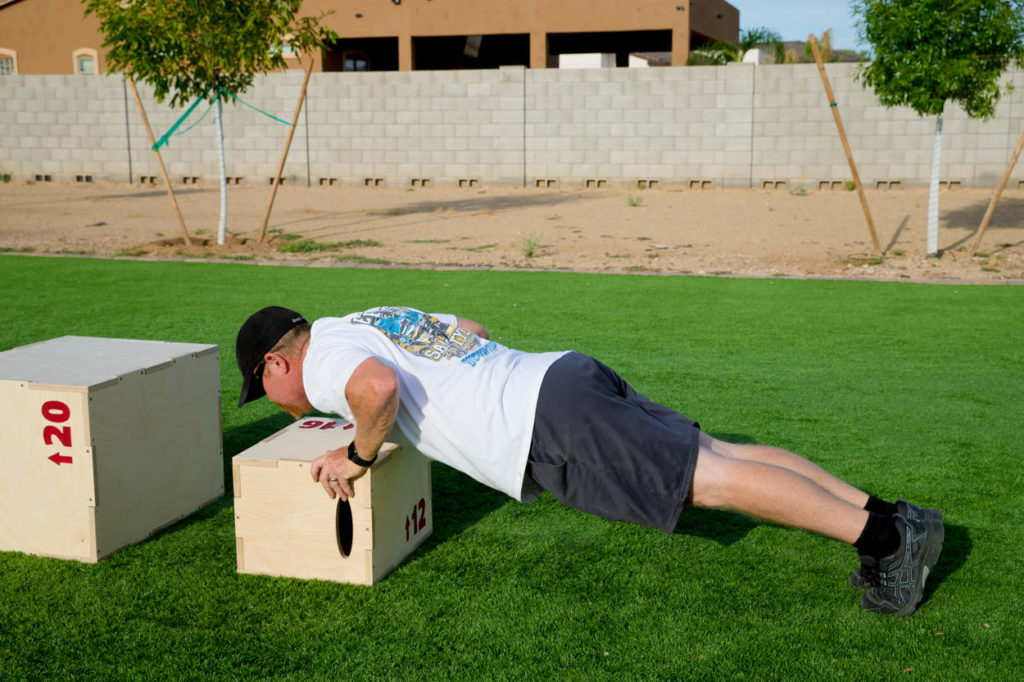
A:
x: 458, y: 500
x: 723, y: 527
x: 955, y: 549
x: 245, y: 436
x: 235, y: 440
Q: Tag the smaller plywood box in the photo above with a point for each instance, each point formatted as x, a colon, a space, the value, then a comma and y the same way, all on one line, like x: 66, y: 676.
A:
x: 105, y: 441
x: 286, y: 525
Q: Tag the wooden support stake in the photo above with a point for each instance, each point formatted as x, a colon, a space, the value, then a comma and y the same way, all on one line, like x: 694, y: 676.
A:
x: 160, y: 163
x: 846, y: 143
x: 999, y: 193
x: 284, y: 155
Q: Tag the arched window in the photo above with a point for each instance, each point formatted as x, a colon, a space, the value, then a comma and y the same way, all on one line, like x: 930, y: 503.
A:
x: 8, y: 62
x: 86, y: 61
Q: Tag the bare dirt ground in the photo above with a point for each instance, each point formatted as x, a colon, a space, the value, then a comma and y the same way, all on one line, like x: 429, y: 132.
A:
x: 736, y: 232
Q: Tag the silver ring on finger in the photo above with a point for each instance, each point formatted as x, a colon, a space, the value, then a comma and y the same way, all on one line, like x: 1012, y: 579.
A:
x: 332, y: 480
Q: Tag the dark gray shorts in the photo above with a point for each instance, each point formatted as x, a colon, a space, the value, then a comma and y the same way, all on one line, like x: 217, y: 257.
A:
x: 603, y: 448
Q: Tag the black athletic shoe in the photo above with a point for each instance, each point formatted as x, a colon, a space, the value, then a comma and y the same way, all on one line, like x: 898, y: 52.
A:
x: 911, y: 511
x: 897, y: 581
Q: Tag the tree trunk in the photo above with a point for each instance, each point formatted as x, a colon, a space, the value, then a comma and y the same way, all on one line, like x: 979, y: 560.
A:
x: 222, y: 227
x: 933, y: 194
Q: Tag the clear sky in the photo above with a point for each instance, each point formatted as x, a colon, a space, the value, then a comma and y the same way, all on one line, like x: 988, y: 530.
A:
x: 795, y: 19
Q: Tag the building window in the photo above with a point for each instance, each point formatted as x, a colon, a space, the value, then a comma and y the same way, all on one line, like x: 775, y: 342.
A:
x: 8, y: 62
x: 86, y: 61
x: 286, y: 50
x: 355, y: 60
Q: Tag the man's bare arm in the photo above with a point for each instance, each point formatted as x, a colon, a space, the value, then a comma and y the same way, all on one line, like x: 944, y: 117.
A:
x: 474, y: 327
x: 372, y: 395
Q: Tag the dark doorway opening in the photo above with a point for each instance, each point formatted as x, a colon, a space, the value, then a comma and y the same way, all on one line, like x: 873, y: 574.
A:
x: 470, y: 52
x: 619, y: 43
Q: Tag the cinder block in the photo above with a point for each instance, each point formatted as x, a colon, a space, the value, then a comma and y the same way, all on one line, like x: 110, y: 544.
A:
x: 105, y: 442
x: 623, y: 102
x: 285, y: 525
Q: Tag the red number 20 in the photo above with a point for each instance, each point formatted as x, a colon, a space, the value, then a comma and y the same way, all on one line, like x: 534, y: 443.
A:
x: 56, y: 412
x: 62, y: 434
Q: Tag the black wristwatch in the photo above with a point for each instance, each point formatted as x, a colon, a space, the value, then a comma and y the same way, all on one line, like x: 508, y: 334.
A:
x: 353, y: 456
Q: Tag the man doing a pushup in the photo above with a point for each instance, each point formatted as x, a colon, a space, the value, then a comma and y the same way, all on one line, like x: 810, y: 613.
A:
x: 563, y: 422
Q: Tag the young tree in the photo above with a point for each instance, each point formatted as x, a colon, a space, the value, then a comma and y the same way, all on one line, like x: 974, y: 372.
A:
x: 211, y: 49
x: 928, y: 52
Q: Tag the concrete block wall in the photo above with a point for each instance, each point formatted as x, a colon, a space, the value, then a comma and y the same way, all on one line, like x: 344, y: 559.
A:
x: 62, y: 126
x: 630, y: 125
x: 437, y: 127
x: 739, y: 125
x: 795, y: 134
x: 252, y: 142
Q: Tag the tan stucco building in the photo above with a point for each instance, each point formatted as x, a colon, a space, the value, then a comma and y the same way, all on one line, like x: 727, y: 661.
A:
x: 52, y: 37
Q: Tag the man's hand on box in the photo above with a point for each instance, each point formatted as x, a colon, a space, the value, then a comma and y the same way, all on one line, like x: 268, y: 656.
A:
x: 335, y: 473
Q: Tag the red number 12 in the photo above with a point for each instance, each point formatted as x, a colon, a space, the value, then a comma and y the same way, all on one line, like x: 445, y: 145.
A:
x: 417, y: 524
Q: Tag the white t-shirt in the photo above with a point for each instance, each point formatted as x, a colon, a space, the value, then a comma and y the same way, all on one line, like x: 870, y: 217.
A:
x: 464, y: 401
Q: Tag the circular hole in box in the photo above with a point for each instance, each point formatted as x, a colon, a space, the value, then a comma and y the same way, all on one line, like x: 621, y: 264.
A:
x: 344, y: 528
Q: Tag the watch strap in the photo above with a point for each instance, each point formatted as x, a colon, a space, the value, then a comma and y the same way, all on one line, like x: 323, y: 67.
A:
x: 353, y: 456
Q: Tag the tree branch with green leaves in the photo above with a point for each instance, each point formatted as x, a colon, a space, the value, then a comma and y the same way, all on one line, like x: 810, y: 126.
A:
x: 186, y: 48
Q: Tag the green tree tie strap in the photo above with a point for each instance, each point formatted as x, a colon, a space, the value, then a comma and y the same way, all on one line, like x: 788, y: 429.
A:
x: 237, y: 99
x: 177, y: 124
x: 167, y: 136
x: 198, y: 121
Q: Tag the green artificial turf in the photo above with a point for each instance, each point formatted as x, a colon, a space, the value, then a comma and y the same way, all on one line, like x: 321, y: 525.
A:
x: 902, y: 389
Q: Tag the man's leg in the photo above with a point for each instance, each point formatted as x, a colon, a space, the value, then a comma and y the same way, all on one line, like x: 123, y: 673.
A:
x: 787, y: 460
x: 897, y: 552
x: 777, y: 486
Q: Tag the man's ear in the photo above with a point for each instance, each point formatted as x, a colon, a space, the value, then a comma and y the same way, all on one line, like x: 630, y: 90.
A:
x: 278, y: 361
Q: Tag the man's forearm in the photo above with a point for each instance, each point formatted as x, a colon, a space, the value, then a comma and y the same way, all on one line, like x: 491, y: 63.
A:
x: 374, y: 419
x: 372, y: 395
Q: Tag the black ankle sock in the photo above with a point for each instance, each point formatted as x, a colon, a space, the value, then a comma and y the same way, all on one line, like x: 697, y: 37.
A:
x: 880, y: 537
x: 880, y: 506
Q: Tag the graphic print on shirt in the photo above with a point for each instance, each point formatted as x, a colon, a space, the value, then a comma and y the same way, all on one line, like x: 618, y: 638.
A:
x: 419, y: 333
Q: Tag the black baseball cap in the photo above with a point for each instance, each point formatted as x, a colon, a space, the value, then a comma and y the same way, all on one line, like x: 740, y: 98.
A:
x: 258, y: 335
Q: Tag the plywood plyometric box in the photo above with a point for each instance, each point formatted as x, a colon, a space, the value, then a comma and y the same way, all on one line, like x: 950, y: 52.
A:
x: 286, y: 525
x: 105, y: 441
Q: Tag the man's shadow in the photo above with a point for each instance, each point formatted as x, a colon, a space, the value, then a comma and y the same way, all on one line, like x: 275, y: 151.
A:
x: 464, y: 502
x: 726, y: 528
x: 955, y: 549
x: 244, y: 436
x: 723, y: 527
